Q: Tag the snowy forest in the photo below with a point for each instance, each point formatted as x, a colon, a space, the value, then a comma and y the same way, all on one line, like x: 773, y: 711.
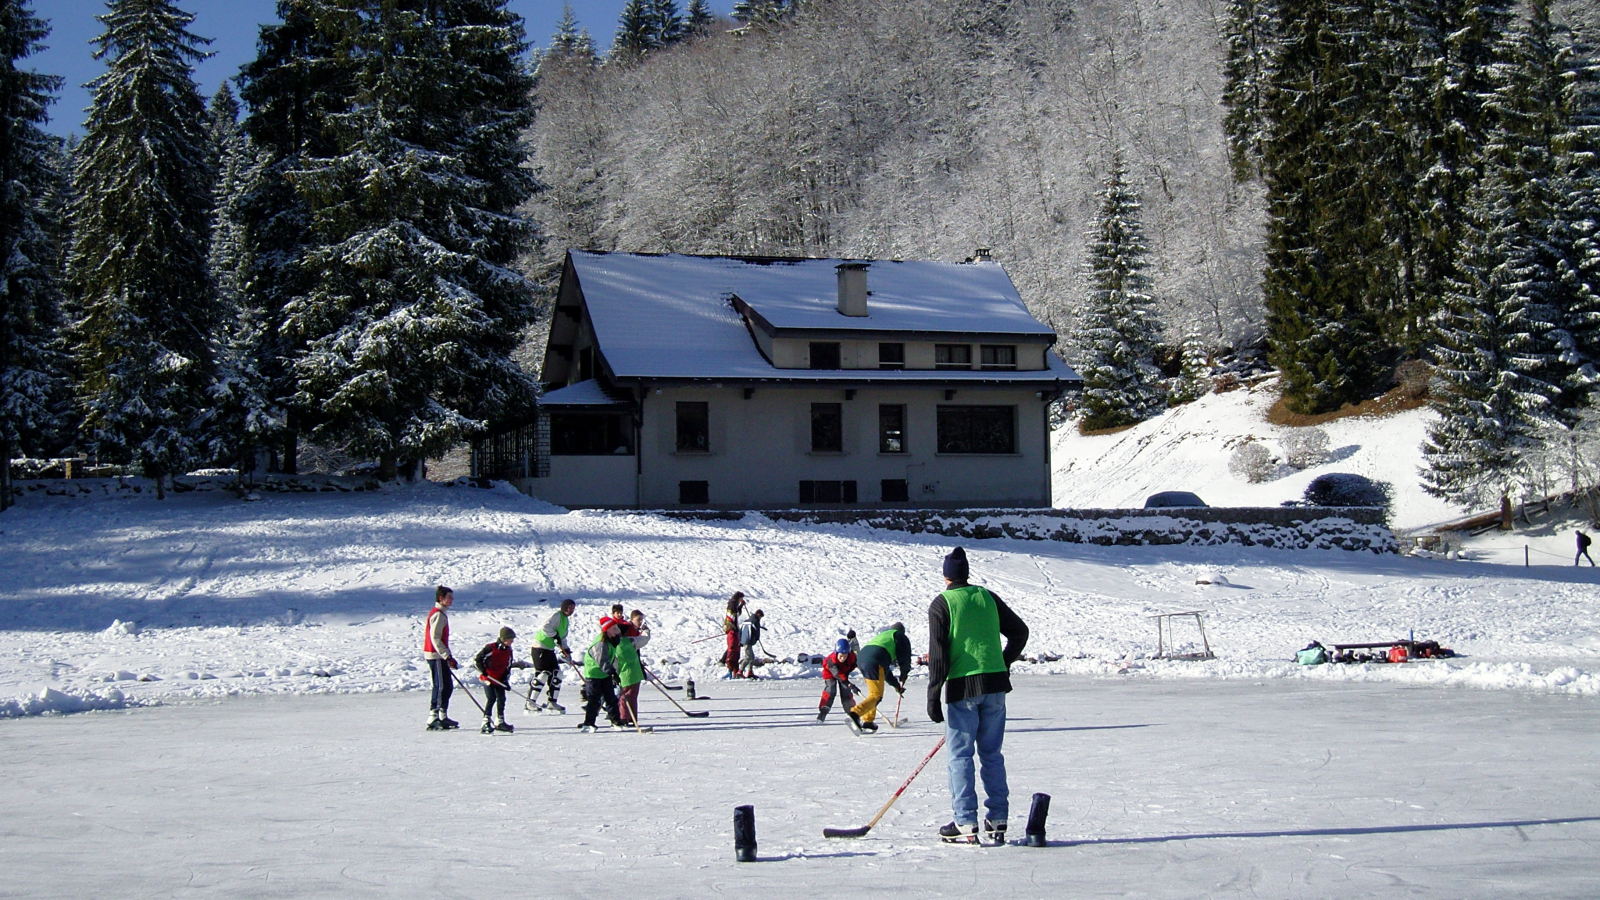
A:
x: 351, y: 249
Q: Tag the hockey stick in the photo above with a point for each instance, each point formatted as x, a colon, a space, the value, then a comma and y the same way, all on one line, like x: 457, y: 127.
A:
x: 470, y: 695
x: 862, y: 831
x: 693, y: 714
x: 895, y: 722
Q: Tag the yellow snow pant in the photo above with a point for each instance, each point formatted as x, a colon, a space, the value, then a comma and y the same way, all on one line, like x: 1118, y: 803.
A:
x: 867, y: 709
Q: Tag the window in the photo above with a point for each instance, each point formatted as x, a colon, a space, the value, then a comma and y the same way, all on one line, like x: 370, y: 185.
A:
x: 891, y: 356
x: 895, y: 491
x: 694, y: 427
x: 999, y: 356
x: 590, y: 434
x: 827, y: 492
x: 952, y: 356
x: 694, y: 492
x: 891, y: 429
x: 824, y: 355
x: 977, y: 429
x: 827, y: 428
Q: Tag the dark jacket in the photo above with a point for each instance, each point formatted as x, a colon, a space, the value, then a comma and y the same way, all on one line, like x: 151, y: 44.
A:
x: 873, y: 658
x: 957, y: 689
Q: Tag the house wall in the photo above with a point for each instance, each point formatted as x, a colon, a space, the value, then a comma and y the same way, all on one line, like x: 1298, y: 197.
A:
x: 587, y: 482
x: 760, y: 449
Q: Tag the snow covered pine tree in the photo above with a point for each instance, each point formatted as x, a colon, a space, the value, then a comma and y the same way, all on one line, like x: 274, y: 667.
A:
x: 137, y: 269
x: 1119, y: 331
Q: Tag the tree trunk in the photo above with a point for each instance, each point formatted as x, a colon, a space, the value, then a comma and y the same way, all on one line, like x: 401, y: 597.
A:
x: 161, y: 488
x: 5, y: 475
x: 1505, y: 512
x: 290, y: 464
x: 387, y: 467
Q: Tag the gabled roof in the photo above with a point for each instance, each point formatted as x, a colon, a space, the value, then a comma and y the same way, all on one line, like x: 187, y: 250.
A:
x: 672, y: 316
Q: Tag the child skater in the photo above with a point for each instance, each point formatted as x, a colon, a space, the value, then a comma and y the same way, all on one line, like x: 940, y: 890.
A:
x: 836, y: 669
x: 731, y: 622
x: 494, y: 663
x: 630, y: 668
x: 599, y: 667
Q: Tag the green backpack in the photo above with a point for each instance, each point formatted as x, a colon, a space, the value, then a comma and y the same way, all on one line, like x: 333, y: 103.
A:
x: 1314, y: 655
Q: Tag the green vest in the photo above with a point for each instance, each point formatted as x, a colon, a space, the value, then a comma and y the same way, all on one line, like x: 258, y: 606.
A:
x: 630, y: 671
x: 591, y: 669
x: 974, y: 632
x: 884, y: 639
x: 548, y: 642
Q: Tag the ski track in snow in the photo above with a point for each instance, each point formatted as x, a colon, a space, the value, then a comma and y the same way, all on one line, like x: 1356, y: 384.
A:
x: 326, y: 593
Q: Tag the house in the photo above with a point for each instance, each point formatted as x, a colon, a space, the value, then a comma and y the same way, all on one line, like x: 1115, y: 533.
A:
x: 676, y: 381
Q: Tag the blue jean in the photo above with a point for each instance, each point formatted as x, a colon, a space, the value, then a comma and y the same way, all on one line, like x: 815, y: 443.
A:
x: 977, y: 723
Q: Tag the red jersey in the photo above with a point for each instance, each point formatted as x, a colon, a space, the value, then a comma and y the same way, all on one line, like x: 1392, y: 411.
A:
x: 838, y: 667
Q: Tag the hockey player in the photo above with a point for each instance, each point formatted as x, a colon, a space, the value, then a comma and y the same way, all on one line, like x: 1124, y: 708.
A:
x: 731, y: 622
x: 630, y: 669
x: 599, y: 668
x: 436, y: 650
x: 749, y: 636
x: 546, y: 667
x: 836, y: 669
x: 889, y: 646
x: 494, y: 664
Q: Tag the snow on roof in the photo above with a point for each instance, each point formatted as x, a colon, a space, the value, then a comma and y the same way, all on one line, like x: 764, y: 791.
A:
x: 584, y: 393
x: 671, y: 316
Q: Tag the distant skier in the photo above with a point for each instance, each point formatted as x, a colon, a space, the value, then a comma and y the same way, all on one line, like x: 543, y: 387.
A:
x: 1583, y: 549
x: 546, y: 667
x: 494, y: 664
x: 972, y: 671
x: 630, y: 668
x: 436, y: 650
x: 888, y: 647
x: 731, y: 620
x: 749, y: 636
x: 599, y: 668
x: 836, y: 669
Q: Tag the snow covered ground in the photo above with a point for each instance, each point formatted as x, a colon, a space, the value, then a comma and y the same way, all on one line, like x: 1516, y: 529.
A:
x: 1160, y: 789
x: 1187, y: 449
x: 136, y: 600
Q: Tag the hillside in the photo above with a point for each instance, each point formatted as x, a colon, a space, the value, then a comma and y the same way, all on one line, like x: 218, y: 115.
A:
x: 1187, y: 449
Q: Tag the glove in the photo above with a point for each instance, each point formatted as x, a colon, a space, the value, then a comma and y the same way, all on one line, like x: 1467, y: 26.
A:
x: 935, y: 710
x: 454, y: 664
x: 899, y: 690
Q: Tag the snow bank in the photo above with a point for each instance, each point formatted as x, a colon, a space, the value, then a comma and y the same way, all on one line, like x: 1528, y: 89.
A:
x: 50, y: 700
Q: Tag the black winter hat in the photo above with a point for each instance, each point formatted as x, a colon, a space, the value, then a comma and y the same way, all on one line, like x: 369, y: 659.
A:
x: 955, y: 565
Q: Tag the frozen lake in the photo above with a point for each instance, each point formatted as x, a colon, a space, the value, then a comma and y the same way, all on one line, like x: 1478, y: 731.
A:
x: 1161, y: 788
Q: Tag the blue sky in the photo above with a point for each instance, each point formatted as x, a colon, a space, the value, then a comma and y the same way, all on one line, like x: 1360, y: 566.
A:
x: 232, y: 26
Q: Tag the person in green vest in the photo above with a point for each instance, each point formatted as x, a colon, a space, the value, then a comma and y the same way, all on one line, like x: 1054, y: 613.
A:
x: 630, y: 668
x: 874, y: 660
x: 546, y: 668
x: 968, y: 665
x: 599, y: 670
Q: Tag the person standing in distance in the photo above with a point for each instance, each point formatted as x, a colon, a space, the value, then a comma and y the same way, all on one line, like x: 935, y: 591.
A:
x: 1583, y: 549
x: 436, y: 650
x: 967, y: 662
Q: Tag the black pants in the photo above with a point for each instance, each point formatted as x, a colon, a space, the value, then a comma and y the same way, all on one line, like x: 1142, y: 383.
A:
x: 548, y: 667
x: 1583, y: 553
x: 443, y: 684
x: 494, y: 697
x: 829, y: 687
x: 600, y: 690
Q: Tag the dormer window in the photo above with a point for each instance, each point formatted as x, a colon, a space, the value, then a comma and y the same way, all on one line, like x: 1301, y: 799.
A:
x: 999, y: 356
x: 952, y: 356
x: 824, y: 354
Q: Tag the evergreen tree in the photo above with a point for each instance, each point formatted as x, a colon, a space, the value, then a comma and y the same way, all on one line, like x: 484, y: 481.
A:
x: 138, y: 262
x: 697, y: 19
x: 295, y: 83
x: 638, y: 31
x: 412, y: 308
x: 1251, y: 42
x: 1119, y: 332
x: 669, y: 24
x: 570, y: 40
x: 1326, y: 245
x: 30, y: 366
x: 761, y: 12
